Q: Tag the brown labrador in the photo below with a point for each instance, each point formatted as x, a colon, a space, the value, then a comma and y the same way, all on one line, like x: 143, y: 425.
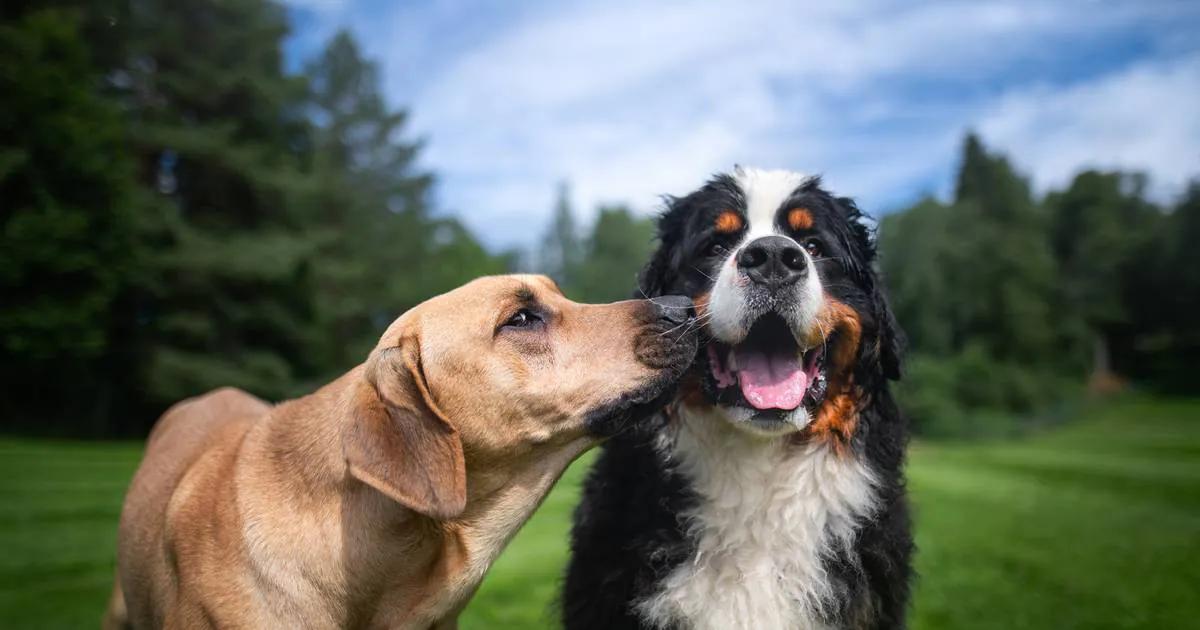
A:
x: 382, y: 499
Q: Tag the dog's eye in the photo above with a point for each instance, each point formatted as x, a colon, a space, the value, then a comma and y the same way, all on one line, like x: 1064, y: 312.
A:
x: 715, y: 249
x: 813, y: 247
x: 523, y: 318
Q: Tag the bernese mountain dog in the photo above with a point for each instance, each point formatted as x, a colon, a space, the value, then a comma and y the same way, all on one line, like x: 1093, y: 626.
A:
x: 772, y: 495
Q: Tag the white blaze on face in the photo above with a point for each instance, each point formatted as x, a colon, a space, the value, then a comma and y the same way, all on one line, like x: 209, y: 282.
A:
x: 765, y: 193
x: 733, y: 313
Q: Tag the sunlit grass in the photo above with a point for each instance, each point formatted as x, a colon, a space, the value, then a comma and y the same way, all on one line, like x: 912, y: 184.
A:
x: 1091, y: 525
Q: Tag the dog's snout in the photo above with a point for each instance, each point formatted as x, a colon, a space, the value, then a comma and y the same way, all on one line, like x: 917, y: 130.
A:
x: 773, y: 261
x: 675, y: 309
x: 668, y: 339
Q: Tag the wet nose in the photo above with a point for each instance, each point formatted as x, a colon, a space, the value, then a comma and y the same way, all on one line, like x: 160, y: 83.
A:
x: 772, y: 261
x: 675, y: 309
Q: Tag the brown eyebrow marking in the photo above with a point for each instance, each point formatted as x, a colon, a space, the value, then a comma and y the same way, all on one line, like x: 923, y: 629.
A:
x: 799, y: 219
x: 525, y: 295
x: 728, y: 222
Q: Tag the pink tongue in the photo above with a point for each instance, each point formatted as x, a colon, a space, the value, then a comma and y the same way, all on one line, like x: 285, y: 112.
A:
x: 771, y: 381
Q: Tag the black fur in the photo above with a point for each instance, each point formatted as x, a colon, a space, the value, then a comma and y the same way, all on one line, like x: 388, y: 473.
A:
x: 628, y: 533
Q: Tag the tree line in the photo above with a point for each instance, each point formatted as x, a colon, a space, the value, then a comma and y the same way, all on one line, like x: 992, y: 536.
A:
x: 180, y: 212
x: 1013, y: 304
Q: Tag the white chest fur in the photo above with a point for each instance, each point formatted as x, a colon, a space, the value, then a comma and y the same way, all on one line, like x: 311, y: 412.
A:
x: 767, y: 516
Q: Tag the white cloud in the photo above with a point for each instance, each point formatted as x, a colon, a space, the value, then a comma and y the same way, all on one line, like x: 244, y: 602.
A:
x: 631, y: 100
x: 1144, y: 118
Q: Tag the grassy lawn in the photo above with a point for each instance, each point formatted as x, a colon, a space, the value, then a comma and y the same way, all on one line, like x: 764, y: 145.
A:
x: 1093, y: 525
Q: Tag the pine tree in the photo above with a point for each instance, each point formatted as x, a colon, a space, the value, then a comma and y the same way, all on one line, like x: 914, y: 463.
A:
x: 615, y: 251
x: 218, y: 133
x: 1008, y: 283
x: 1100, y: 225
x: 976, y: 286
x: 561, y: 253
x: 67, y: 235
x: 381, y: 249
x: 369, y: 203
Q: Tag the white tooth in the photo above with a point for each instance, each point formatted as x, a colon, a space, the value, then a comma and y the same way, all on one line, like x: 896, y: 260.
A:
x: 732, y: 361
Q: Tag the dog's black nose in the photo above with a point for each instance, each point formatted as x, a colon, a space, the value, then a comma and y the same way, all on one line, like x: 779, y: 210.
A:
x: 675, y: 309
x: 772, y: 261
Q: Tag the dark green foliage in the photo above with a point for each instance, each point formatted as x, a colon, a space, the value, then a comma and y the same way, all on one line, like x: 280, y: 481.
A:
x: 560, y: 251
x: 380, y: 252
x: 67, y: 234
x: 65, y: 215
x: 1164, y: 297
x: 1009, y: 302
x: 603, y: 265
x: 1101, y: 227
x: 179, y: 213
x: 976, y: 286
x: 619, y: 245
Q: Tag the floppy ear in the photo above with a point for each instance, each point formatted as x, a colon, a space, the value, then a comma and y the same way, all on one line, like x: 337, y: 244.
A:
x: 891, y: 338
x: 890, y: 342
x: 397, y: 441
x: 652, y: 281
x: 655, y: 278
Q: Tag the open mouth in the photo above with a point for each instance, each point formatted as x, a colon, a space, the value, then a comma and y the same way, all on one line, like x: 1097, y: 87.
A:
x: 769, y: 369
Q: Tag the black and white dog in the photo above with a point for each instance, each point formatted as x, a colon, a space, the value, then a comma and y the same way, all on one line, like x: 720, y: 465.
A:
x: 773, y: 496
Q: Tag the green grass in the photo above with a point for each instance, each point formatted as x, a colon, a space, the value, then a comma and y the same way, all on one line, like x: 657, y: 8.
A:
x: 1091, y: 525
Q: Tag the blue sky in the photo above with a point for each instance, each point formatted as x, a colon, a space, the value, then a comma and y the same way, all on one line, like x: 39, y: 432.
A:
x: 630, y: 100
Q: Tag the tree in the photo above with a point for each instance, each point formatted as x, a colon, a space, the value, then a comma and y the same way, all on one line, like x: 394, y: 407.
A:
x: 369, y: 200
x: 1163, y: 296
x: 179, y: 213
x: 977, y: 288
x: 219, y: 135
x: 1008, y: 283
x: 561, y: 253
x: 618, y: 246
x: 67, y: 235
x: 1100, y: 226
x: 380, y: 250
x: 922, y: 279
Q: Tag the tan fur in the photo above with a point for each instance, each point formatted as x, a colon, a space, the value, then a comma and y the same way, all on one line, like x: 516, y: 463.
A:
x: 800, y: 219
x: 837, y: 418
x: 728, y: 222
x: 383, y: 498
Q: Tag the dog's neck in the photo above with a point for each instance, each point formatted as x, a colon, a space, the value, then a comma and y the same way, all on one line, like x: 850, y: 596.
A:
x: 769, y: 513
x: 380, y: 549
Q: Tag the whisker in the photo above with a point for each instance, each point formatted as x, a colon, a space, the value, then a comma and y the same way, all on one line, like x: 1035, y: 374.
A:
x: 659, y: 304
x: 691, y: 323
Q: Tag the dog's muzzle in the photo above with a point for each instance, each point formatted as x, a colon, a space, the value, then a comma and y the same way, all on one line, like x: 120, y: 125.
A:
x: 668, y: 339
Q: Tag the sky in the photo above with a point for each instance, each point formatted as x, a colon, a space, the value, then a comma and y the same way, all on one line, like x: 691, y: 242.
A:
x: 627, y: 101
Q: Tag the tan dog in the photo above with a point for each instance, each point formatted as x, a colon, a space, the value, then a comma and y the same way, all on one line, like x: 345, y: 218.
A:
x: 382, y: 499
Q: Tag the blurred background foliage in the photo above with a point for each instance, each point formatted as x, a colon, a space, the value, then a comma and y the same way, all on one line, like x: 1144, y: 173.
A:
x: 178, y: 212
x: 1014, y: 305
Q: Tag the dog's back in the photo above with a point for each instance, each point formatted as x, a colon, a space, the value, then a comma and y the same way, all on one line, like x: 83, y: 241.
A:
x: 206, y: 427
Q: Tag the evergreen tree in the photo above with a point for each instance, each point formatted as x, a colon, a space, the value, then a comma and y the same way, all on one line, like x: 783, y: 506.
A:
x: 1163, y: 297
x: 1008, y: 283
x: 1100, y: 226
x: 618, y: 246
x: 369, y: 202
x: 922, y: 279
x: 1182, y: 270
x: 67, y: 236
x: 561, y: 253
x: 381, y: 251
x: 977, y: 288
x: 218, y: 134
